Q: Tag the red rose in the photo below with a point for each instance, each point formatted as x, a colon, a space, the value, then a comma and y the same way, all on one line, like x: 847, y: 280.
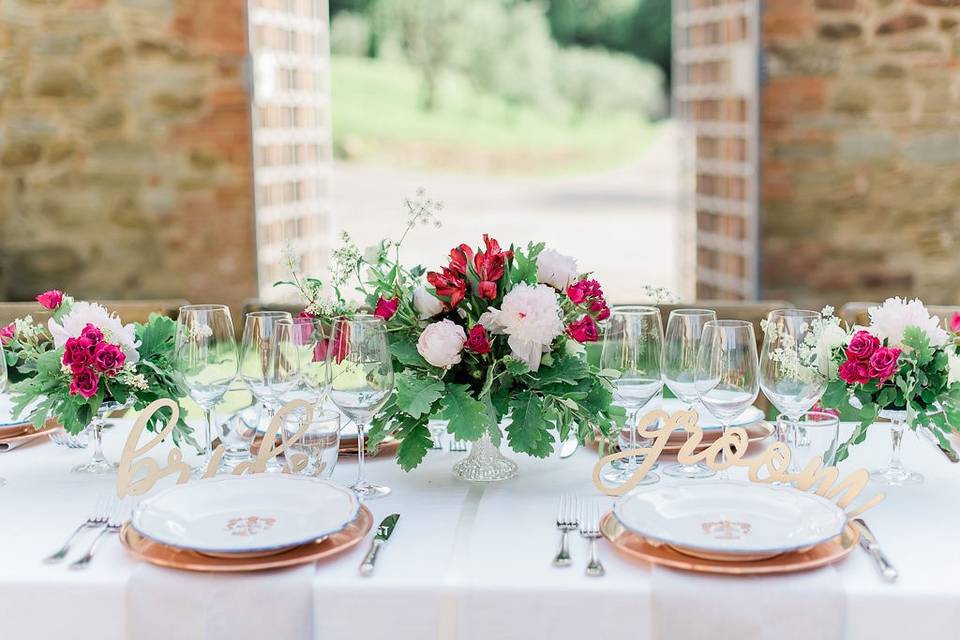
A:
x: 448, y: 285
x: 108, y: 358
x: 477, y: 340
x: 50, y: 299
x: 85, y: 382
x: 583, y: 330
x: 386, y: 308
x: 7, y: 333
x: 955, y: 323
x: 855, y: 371
x: 601, y: 309
x: 77, y: 353
x: 92, y: 333
x: 862, y: 345
x: 883, y: 363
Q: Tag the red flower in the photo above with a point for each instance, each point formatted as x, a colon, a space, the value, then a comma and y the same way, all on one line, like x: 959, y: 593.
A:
x: 490, y: 265
x: 883, y: 363
x: 477, y: 340
x: 77, y: 353
x: 448, y: 285
x: 7, y: 333
x: 601, y: 309
x: 108, y: 358
x: 50, y: 299
x: 85, y: 382
x: 336, y: 347
x: 92, y: 333
x: 955, y: 323
x: 583, y: 330
x: 862, y: 345
x: 386, y: 308
x: 584, y: 291
x: 855, y: 371
x: 460, y: 259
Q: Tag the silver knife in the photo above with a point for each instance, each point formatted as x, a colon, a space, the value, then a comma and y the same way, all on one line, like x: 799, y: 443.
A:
x: 869, y: 542
x: 947, y: 450
x: 379, y: 539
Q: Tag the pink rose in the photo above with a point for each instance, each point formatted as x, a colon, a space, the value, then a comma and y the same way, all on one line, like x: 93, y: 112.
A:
x: 583, y: 330
x: 855, y: 372
x: 601, y: 309
x: 50, y: 299
x: 92, y: 333
x: 883, y: 363
x: 108, y: 358
x: 386, y: 308
x: 7, y: 333
x: 584, y: 291
x: 77, y: 353
x: 955, y: 323
x: 85, y: 382
x: 862, y: 345
x: 477, y: 340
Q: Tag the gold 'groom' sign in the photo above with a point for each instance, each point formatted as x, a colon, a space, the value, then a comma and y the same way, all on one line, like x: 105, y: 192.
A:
x: 774, y: 460
x: 138, y: 474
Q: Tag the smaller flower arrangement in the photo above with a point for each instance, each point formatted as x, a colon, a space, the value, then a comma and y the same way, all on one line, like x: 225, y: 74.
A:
x: 86, y: 356
x: 905, y: 360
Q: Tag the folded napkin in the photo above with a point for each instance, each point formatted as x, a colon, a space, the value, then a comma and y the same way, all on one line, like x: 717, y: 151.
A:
x: 163, y: 604
x: 796, y: 606
x: 28, y: 436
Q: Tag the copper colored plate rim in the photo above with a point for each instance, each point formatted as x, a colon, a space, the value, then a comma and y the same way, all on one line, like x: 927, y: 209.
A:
x: 762, y: 430
x: 28, y: 434
x: 635, y: 546
x: 164, y: 556
x: 386, y: 448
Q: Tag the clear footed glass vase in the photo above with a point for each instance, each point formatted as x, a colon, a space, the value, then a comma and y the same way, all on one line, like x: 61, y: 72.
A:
x: 485, y: 463
x: 99, y: 464
x: 896, y: 474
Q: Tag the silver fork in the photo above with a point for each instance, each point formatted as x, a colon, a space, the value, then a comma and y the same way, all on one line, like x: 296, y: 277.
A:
x: 457, y: 445
x: 99, y: 518
x: 590, y: 529
x: 118, y: 516
x: 566, y: 522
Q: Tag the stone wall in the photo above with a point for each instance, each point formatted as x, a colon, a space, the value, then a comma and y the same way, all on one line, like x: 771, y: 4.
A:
x: 125, y: 163
x: 861, y: 150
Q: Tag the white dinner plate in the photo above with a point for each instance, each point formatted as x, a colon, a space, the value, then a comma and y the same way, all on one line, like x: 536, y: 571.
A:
x: 8, y: 421
x: 726, y: 517
x: 707, y: 421
x: 245, y: 514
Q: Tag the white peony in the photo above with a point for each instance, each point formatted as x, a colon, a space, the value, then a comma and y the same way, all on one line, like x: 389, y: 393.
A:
x: 440, y: 343
x: 114, y: 331
x: 556, y: 269
x: 831, y: 336
x: 889, y: 320
x: 426, y: 304
x: 531, y: 316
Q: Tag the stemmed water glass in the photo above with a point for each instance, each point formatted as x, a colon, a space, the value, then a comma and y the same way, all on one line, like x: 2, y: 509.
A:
x: 269, y: 363
x: 206, y: 356
x: 789, y: 373
x: 680, y: 347
x: 310, y: 342
x: 360, y: 377
x: 632, y: 345
x: 726, y: 376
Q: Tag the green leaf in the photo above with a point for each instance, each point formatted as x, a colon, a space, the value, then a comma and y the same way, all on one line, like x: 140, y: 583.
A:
x: 416, y: 395
x: 467, y: 416
x: 917, y: 341
x: 406, y: 353
x: 414, y: 444
x: 515, y: 366
x: 566, y: 370
x: 529, y: 430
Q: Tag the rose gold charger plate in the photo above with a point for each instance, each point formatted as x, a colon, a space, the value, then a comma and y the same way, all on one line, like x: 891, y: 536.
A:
x: 386, y: 448
x: 173, y: 558
x: 635, y: 546
x: 756, y: 431
x: 17, y: 437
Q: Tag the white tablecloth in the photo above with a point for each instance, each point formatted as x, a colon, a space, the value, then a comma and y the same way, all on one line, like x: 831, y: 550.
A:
x: 473, y: 561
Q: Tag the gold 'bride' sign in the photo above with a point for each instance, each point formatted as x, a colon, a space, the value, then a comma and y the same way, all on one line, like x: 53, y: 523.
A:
x: 138, y: 474
x: 770, y: 465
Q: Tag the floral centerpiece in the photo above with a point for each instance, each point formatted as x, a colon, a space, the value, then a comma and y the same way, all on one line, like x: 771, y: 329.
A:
x: 85, y: 360
x: 493, y: 337
x: 904, y: 366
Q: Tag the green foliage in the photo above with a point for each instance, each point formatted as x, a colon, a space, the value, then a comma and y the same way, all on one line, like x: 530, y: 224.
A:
x: 598, y: 81
x: 350, y: 34
x: 529, y: 428
x: 467, y: 416
x: 416, y: 396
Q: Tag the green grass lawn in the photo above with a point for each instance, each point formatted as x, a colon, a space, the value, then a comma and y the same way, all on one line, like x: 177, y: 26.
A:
x: 377, y: 118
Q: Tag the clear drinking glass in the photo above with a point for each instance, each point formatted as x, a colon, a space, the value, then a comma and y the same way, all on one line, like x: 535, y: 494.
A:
x: 206, y: 356
x: 789, y: 373
x: 680, y: 347
x: 726, y: 380
x: 310, y: 341
x: 360, y: 375
x: 238, y: 431
x: 822, y: 437
x: 270, y: 363
x: 320, y: 443
x: 632, y: 345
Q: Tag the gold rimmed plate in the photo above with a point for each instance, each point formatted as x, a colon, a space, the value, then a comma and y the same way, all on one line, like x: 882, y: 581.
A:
x: 635, y: 546
x: 174, y: 558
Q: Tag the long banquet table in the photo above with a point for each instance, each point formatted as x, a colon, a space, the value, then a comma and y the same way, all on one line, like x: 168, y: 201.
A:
x: 473, y: 562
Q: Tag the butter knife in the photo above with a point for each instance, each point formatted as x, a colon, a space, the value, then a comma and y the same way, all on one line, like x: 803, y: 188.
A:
x: 379, y: 539
x: 869, y: 543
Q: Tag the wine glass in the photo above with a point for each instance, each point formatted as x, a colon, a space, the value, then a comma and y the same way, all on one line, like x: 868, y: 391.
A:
x: 360, y: 378
x: 632, y: 345
x: 269, y: 364
x: 726, y: 378
x: 310, y: 342
x: 3, y: 384
x: 320, y: 441
x: 789, y: 375
x: 206, y: 356
x: 680, y: 347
